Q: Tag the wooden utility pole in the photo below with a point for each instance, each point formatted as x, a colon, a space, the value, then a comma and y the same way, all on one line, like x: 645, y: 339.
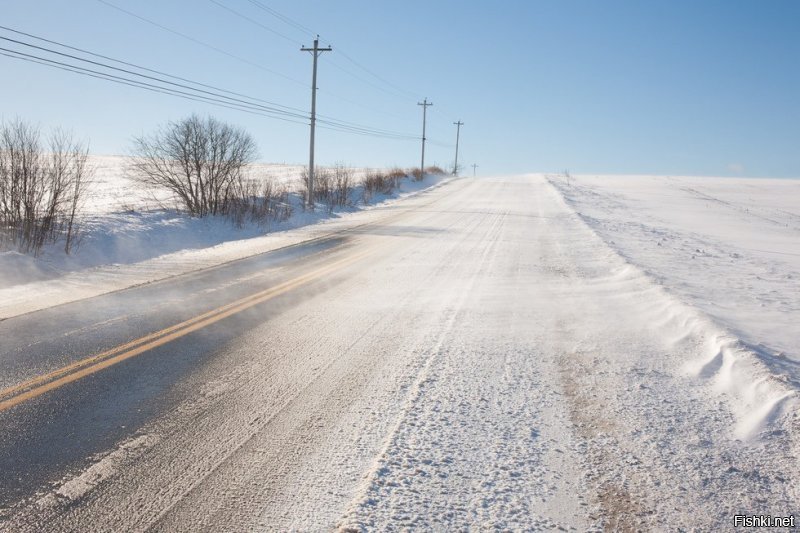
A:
x: 315, y: 51
x: 458, y: 133
x: 424, y: 105
x: 474, y: 166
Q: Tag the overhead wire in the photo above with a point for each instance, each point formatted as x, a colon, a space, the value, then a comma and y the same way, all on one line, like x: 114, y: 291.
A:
x: 379, y: 78
x: 283, y: 18
x: 201, y: 43
x: 293, y: 41
x: 140, y: 84
x: 362, y: 80
x: 159, y: 72
x: 162, y: 73
x: 249, y: 19
x: 398, y: 91
x: 84, y: 51
x: 239, y: 58
x: 149, y: 77
x: 131, y: 83
x: 242, y: 102
x: 175, y: 89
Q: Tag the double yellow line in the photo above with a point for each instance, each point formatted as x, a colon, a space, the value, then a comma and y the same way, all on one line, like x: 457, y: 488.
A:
x: 41, y: 384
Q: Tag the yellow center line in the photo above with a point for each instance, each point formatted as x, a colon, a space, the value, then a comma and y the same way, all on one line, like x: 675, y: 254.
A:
x: 79, y: 369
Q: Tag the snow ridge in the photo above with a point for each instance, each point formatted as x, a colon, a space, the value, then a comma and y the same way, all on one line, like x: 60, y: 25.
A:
x: 760, y: 386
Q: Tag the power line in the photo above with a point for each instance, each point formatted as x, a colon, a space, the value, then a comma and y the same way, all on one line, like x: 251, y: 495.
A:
x: 361, y: 105
x: 200, y: 95
x: 336, y: 65
x: 283, y: 18
x: 440, y: 144
x: 368, y: 71
x: 328, y: 119
x: 398, y: 91
x: 245, y: 17
x: 380, y: 133
x: 333, y: 63
x: 144, y: 85
x: 201, y: 43
x: 362, y: 80
x: 161, y: 73
x: 153, y: 88
x: 445, y: 114
x: 146, y: 76
x: 132, y: 83
x: 239, y: 58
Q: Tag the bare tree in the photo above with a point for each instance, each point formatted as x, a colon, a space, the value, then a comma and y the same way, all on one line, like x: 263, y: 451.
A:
x: 41, y: 192
x: 200, y: 161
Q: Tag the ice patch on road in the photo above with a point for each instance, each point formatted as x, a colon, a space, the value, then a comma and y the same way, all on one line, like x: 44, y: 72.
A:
x: 79, y: 486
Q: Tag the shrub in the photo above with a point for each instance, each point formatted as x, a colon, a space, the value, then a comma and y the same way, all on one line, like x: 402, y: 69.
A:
x: 333, y: 187
x: 438, y: 171
x: 342, y: 185
x: 323, y: 185
x: 41, y: 192
x: 376, y: 182
x: 200, y: 161
x: 396, y: 174
x: 259, y: 201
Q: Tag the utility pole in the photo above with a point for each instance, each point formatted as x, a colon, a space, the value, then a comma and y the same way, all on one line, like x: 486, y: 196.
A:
x: 458, y: 133
x: 316, y: 51
x: 424, y: 105
x: 474, y: 166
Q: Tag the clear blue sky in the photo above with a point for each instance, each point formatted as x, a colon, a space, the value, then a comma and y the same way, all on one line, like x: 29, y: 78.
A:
x: 664, y: 87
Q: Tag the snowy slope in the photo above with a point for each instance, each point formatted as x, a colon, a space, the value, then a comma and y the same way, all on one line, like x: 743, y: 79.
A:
x: 727, y: 252
x: 728, y: 246
x: 113, y: 190
x: 128, y: 238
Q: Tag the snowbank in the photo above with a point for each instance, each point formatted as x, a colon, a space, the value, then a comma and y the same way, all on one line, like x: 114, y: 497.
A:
x: 726, y: 256
x: 128, y: 240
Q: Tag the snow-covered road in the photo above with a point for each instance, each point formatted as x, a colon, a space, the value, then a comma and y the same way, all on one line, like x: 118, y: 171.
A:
x: 491, y: 363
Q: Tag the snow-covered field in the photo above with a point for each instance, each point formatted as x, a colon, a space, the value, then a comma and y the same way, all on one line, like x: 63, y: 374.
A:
x: 728, y: 251
x: 128, y: 237
x: 113, y: 190
x: 728, y: 246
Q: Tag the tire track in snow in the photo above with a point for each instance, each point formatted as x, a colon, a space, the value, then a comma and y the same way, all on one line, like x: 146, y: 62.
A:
x: 482, y: 441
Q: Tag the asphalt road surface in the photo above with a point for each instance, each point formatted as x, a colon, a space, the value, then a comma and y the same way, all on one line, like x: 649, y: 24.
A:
x: 477, y: 358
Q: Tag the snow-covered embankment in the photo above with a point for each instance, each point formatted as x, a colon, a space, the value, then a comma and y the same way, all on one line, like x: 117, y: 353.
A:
x: 725, y: 254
